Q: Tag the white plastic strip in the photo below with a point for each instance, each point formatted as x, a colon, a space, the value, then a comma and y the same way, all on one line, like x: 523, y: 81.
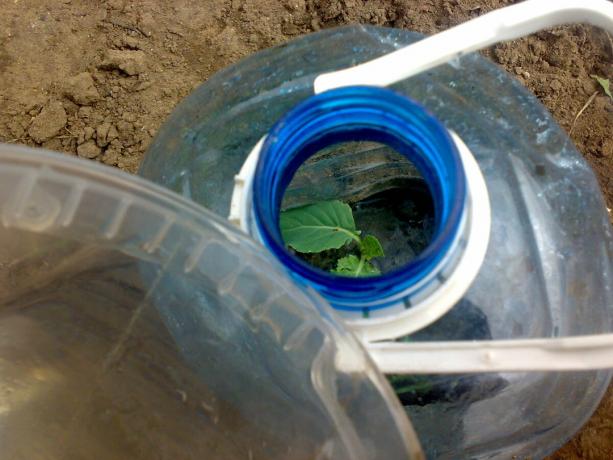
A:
x: 580, y: 353
x: 240, y: 205
x: 508, y: 23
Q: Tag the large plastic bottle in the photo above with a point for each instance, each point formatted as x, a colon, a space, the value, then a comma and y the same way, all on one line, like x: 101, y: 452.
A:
x: 548, y: 269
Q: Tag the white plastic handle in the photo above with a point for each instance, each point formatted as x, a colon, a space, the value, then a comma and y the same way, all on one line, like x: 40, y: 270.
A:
x: 500, y: 25
x: 547, y: 354
x: 579, y: 353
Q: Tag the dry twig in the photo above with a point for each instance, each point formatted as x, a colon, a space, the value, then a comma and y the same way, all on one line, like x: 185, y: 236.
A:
x: 587, y: 104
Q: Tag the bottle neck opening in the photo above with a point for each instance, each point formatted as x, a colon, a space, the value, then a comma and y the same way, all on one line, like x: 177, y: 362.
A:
x: 362, y: 114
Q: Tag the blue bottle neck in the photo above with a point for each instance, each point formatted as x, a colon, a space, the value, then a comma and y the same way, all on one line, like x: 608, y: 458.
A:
x: 363, y: 114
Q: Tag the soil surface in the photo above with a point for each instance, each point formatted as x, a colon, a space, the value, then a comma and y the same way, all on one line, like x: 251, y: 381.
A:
x: 97, y: 78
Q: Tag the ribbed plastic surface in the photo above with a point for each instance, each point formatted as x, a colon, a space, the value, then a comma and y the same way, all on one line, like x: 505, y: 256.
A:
x: 137, y: 325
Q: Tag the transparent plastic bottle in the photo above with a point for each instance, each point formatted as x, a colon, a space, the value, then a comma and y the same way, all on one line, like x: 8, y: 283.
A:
x: 137, y: 325
x: 548, y: 269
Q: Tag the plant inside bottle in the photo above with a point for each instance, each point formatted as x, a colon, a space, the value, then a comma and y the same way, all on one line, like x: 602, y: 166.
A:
x: 327, y: 226
x: 357, y: 209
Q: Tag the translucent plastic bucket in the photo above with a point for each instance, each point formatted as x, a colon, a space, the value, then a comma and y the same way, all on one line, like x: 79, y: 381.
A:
x: 137, y: 325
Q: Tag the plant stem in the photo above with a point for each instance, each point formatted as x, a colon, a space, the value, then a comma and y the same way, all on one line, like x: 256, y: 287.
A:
x: 355, y: 237
x: 360, y: 266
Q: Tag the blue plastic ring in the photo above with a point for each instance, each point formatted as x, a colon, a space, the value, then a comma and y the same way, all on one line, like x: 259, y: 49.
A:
x: 361, y: 113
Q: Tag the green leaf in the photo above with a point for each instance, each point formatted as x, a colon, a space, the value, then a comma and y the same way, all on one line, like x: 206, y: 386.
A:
x: 408, y: 384
x: 369, y: 270
x: 317, y: 227
x: 604, y: 82
x: 370, y: 247
x: 347, y: 265
x: 353, y: 266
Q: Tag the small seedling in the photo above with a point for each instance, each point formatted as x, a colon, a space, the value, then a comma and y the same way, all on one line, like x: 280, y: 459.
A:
x: 604, y: 82
x: 329, y: 225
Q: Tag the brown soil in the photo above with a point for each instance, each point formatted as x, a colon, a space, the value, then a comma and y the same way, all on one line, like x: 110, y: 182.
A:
x: 97, y: 78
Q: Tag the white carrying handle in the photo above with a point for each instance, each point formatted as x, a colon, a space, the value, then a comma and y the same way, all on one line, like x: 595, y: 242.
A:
x: 579, y: 353
x: 503, y: 24
x: 547, y: 354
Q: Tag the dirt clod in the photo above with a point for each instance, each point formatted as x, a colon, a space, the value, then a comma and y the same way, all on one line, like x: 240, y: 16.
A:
x: 48, y: 123
x: 85, y: 112
x: 86, y: 134
x: 81, y: 89
x: 132, y: 62
x: 88, y: 149
x: 105, y: 133
x: 131, y: 43
x: 607, y: 148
